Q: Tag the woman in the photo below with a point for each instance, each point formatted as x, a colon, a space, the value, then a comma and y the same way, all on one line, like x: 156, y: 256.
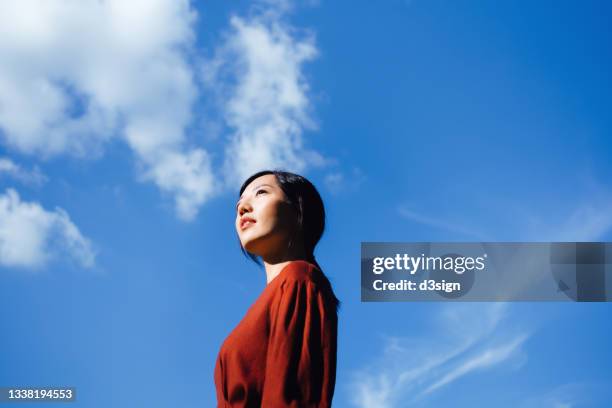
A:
x: 283, y: 352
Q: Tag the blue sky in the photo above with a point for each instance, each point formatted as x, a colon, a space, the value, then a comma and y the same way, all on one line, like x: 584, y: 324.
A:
x: 126, y: 128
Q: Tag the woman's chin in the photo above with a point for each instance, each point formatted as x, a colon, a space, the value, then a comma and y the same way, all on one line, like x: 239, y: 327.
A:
x: 259, y: 244
x: 253, y: 246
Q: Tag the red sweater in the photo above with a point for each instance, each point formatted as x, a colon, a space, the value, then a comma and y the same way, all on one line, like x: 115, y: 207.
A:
x: 283, y: 352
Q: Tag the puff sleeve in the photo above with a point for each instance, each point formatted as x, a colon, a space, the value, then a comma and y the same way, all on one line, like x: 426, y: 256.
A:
x: 301, y: 355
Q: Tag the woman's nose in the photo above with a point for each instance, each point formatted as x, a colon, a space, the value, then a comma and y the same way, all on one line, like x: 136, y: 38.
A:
x: 243, y: 207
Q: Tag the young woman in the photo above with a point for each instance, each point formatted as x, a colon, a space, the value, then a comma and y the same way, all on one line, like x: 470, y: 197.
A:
x: 283, y: 352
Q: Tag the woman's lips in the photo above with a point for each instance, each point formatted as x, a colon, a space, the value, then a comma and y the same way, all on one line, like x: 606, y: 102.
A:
x: 246, y: 222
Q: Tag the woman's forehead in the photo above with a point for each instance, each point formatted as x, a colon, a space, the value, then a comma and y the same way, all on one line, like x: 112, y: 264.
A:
x: 267, y: 179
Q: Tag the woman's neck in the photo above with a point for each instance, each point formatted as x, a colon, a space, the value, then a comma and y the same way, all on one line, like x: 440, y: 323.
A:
x: 275, y: 264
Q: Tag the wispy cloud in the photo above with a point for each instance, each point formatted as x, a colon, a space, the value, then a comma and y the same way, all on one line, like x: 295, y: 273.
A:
x: 588, y: 217
x: 585, y: 216
x: 257, y: 75
x: 17, y: 172
x: 466, y: 339
x: 440, y: 223
x: 486, y: 358
x: 570, y: 395
x: 75, y: 75
x: 340, y: 181
x: 31, y: 236
x: 589, y: 220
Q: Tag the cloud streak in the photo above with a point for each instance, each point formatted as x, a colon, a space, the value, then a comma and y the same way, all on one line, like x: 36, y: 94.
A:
x: 440, y: 223
x: 587, y: 217
x: 464, y: 341
x: 483, y: 359
x: 569, y: 395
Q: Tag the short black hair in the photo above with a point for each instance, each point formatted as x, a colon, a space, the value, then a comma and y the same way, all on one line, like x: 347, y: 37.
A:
x: 307, y: 202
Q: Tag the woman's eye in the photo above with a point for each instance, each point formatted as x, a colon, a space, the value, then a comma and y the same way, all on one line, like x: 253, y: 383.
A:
x: 259, y: 191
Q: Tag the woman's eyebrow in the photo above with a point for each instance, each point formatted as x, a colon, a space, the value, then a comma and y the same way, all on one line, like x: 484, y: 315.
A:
x: 255, y: 188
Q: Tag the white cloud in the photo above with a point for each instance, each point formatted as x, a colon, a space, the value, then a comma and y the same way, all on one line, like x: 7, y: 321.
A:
x: 184, y: 175
x: 75, y: 74
x: 257, y: 75
x: 31, y: 236
x: 12, y: 169
x: 464, y: 341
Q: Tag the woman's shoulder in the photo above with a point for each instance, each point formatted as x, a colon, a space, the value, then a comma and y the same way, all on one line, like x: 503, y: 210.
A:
x: 301, y: 271
x: 306, y: 274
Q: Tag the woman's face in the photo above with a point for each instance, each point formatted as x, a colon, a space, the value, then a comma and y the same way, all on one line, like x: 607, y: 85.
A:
x: 264, y: 219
